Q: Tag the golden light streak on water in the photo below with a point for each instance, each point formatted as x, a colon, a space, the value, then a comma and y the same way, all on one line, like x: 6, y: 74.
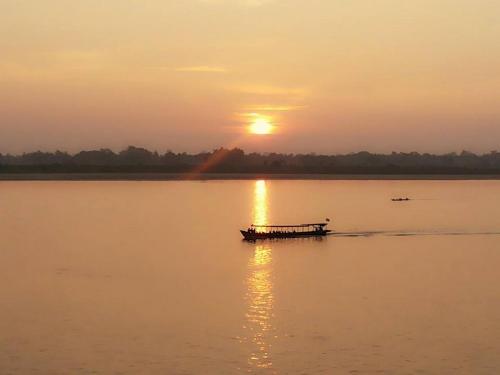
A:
x: 259, y: 296
x: 260, y: 203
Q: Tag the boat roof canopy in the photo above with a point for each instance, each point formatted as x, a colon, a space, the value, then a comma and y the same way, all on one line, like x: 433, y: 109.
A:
x: 291, y: 226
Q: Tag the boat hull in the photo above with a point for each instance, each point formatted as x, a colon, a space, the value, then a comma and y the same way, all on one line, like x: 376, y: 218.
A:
x: 254, y: 236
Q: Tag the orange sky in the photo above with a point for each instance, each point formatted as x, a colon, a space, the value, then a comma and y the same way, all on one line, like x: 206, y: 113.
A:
x: 189, y: 75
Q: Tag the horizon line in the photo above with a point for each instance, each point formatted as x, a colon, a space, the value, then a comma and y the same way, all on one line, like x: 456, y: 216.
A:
x: 220, y: 148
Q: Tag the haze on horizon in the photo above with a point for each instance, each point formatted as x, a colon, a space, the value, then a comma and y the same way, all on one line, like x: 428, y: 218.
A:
x: 331, y: 76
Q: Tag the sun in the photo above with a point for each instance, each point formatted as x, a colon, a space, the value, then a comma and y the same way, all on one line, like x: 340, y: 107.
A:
x: 261, y: 126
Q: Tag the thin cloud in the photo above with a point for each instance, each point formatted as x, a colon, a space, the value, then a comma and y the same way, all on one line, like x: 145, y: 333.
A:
x: 275, y: 108
x: 270, y: 90
x: 201, y: 69
x: 248, y: 3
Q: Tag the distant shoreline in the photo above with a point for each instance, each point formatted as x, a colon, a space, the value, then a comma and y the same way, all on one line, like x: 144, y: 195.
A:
x: 232, y: 176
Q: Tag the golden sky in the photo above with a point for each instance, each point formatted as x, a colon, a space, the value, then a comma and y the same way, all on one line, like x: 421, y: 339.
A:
x: 190, y: 75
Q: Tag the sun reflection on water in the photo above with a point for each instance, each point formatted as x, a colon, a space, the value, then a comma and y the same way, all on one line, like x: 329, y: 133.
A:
x: 260, y: 203
x: 259, y: 295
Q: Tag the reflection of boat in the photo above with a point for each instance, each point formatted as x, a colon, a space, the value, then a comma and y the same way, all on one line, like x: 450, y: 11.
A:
x: 262, y: 232
x: 400, y: 199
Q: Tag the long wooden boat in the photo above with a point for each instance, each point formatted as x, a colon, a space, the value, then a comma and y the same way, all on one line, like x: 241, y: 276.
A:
x: 263, y: 232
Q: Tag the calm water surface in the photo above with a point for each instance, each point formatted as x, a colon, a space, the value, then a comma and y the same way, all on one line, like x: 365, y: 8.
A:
x: 153, y: 278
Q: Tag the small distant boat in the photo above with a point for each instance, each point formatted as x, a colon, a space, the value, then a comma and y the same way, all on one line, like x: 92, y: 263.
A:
x: 263, y: 232
x: 400, y: 199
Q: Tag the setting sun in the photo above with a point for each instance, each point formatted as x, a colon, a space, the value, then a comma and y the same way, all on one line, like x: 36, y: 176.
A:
x: 261, y: 126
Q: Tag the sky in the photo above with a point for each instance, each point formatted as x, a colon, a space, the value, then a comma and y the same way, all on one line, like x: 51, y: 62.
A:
x: 331, y: 76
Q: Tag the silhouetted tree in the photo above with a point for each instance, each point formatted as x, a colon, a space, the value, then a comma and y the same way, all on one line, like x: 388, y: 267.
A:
x: 137, y: 159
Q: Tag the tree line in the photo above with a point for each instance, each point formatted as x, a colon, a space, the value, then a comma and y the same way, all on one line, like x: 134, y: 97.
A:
x: 137, y: 159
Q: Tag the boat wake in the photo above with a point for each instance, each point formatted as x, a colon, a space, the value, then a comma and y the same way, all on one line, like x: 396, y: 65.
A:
x: 410, y: 233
